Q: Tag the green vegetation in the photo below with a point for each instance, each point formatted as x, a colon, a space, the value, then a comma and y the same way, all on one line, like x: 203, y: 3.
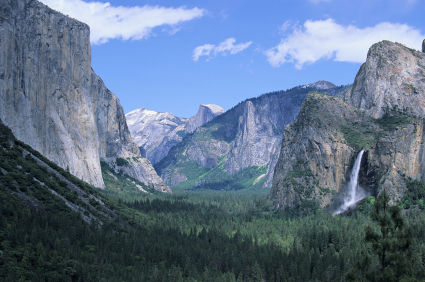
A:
x: 218, y: 179
x: 191, y: 235
x: 357, y: 137
x: 390, y: 256
x: 415, y: 196
x: 364, y: 135
x: 122, y: 162
x: 122, y: 186
x: 303, y: 181
x: 393, y: 118
x: 299, y: 170
x: 224, y: 128
x: 191, y: 169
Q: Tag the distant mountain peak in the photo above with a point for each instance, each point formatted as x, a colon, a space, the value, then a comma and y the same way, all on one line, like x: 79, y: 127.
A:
x: 204, y: 115
x: 214, y: 108
x: 156, y: 132
x: 321, y: 84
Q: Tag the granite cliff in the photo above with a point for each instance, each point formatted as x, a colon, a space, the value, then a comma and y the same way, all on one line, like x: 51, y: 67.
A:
x: 383, y: 114
x: 205, y: 114
x: 392, y: 76
x: 239, y: 148
x: 52, y: 100
x: 155, y: 133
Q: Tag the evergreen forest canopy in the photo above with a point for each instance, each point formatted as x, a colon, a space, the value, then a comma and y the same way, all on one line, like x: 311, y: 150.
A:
x: 55, y: 227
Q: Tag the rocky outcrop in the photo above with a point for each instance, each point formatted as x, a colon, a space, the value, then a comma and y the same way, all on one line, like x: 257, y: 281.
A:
x: 392, y: 76
x: 381, y: 114
x: 316, y: 157
x: 321, y: 85
x: 205, y: 114
x: 141, y: 169
x: 155, y: 133
x: 244, y: 141
x: 423, y: 46
x: 51, y: 98
x: 395, y: 159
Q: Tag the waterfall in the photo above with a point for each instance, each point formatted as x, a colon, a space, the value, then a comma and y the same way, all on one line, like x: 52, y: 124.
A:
x: 354, y: 193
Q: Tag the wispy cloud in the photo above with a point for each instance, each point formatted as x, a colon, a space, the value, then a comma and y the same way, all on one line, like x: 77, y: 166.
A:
x: 317, y: 40
x: 284, y: 27
x: 223, y: 15
x: 108, y: 22
x: 227, y: 46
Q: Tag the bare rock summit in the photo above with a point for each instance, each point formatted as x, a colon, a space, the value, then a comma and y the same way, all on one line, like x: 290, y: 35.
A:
x: 204, y: 115
x: 156, y: 133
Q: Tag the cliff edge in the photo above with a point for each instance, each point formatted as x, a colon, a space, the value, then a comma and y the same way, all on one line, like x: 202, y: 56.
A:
x: 382, y: 114
x: 51, y: 98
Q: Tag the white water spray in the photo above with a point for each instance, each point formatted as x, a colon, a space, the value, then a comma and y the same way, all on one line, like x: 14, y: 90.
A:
x: 355, y: 193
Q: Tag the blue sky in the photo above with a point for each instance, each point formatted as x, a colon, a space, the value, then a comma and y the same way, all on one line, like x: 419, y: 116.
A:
x: 174, y: 55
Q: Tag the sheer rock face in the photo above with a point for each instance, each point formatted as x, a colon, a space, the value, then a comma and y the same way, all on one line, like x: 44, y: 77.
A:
x: 155, y: 133
x: 392, y: 76
x: 314, y: 163
x: 258, y: 140
x: 318, y: 154
x: 397, y: 156
x: 316, y: 157
x: 205, y: 114
x: 51, y: 98
x: 248, y: 135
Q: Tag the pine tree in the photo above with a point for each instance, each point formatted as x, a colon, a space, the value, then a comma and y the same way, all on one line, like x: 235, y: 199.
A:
x: 390, y: 245
x: 256, y: 275
x: 240, y: 277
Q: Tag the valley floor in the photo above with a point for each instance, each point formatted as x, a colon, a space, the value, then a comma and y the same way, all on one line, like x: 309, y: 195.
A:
x: 188, y: 236
x: 55, y: 227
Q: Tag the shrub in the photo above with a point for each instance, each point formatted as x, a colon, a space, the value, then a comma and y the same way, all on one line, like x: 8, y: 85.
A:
x: 122, y: 162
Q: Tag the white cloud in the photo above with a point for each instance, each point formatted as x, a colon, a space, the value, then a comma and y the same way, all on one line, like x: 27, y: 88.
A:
x: 224, y: 47
x: 284, y: 27
x: 326, y: 39
x: 203, y: 50
x: 108, y: 22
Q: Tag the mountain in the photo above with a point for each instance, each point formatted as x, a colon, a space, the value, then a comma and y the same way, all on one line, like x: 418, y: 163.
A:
x: 239, y: 148
x: 52, y: 99
x: 155, y: 133
x: 205, y: 114
x: 382, y: 114
x: 28, y: 176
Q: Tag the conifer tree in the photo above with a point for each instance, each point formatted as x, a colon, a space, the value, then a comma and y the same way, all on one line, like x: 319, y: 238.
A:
x: 390, y: 243
x: 256, y: 273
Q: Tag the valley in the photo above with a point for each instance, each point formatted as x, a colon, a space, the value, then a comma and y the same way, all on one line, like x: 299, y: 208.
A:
x: 285, y: 186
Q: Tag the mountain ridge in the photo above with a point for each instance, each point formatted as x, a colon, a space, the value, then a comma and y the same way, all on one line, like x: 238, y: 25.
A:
x: 155, y: 133
x: 244, y: 140
x: 52, y: 100
x: 382, y: 114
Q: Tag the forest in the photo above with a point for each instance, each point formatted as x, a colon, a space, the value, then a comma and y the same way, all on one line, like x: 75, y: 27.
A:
x: 55, y: 227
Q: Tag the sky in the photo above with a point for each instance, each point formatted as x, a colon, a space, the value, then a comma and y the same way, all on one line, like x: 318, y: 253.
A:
x: 172, y: 56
